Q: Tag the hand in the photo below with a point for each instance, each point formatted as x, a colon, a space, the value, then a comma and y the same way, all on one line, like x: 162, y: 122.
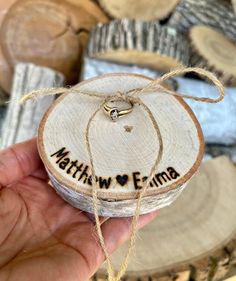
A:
x: 42, y: 238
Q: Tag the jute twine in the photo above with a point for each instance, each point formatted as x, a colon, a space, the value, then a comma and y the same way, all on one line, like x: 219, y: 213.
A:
x: 131, y: 96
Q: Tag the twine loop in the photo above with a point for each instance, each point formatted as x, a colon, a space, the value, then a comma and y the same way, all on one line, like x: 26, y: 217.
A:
x: 132, y: 96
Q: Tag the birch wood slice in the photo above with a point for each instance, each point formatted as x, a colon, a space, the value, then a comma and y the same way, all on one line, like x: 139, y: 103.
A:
x: 204, y: 12
x: 195, y: 236
x: 138, y: 42
x: 144, y: 10
x: 123, y: 152
x: 215, y: 52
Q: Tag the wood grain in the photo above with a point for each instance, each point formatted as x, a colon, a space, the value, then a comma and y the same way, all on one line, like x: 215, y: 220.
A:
x: 144, y: 10
x: 21, y: 122
x: 205, y: 12
x: 49, y: 33
x: 194, y: 238
x: 119, y: 154
x: 138, y: 42
x: 213, y: 51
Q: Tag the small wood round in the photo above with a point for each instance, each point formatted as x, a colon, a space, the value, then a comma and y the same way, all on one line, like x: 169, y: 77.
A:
x: 194, y: 237
x: 123, y: 151
x: 212, y: 13
x: 144, y: 10
x: 137, y: 42
x: 215, y: 52
x: 47, y: 33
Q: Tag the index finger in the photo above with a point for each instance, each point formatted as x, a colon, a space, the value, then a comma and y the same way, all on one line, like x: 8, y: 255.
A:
x: 18, y: 161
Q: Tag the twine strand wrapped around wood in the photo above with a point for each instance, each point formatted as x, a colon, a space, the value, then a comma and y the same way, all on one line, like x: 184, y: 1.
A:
x: 131, y: 96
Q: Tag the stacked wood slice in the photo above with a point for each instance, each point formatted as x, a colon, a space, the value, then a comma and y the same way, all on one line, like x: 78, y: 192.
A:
x: 144, y: 10
x: 213, y: 51
x: 139, y: 42
x: 210, y: 13
x: 49, y: 33
x: 194, y: 238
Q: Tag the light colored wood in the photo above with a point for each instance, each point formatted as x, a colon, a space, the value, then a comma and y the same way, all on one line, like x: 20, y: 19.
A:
x: 214, y: 52
x: 121, y: 157
x: 21, y: 122
x: 196, y: 233
x: 137, y: 42
x: 47, y: 33
x: 142, y: 9
x: 204, y: 12
x: 91, y: 8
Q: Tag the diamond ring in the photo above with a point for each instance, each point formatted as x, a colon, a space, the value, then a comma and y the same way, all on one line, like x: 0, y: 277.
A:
x: 116, y: 109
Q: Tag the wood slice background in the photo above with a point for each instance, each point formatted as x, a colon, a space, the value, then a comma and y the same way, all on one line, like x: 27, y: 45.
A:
x: 204, y: 12
x: 194, y: 238
x: 49, y: 33
x: 139, y: 42
x: 215, y: 52
x: 119, y: 153
x: 144, y: 10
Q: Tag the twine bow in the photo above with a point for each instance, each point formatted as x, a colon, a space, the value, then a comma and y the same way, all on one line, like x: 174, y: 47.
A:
x: 133, y: 97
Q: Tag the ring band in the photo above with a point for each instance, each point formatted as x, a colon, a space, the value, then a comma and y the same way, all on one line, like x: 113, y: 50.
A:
x: 114, y: 113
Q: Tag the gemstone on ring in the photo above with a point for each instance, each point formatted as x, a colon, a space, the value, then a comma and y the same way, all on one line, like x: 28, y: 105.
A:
x: 114, y: 114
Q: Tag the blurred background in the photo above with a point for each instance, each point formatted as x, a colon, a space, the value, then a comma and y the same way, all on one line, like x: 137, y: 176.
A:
x: 49, y: 43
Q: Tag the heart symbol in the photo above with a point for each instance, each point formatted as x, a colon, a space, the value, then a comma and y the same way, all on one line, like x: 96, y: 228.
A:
x: 122, y: 180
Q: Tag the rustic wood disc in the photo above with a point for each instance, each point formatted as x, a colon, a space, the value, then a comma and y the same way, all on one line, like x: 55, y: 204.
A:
x: 123, y: 151
x: 43, y: 37
x: 194, y: 238
x: 215, y: 52
x: 138, y: 42
x: 144, y: 10
x: 204, y: 12
x: 50, y: 33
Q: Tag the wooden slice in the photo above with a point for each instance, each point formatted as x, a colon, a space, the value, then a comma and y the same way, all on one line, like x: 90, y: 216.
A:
x: 195, y: 237
x: 43, y: 36
x: 204, y: 12
x: 21, y: 122
x: 144, y: 10
x: 47, y: 33
x: 138, y: 42
x: 124, y: 151
x: 90, y: 8
x: 215, y: 52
